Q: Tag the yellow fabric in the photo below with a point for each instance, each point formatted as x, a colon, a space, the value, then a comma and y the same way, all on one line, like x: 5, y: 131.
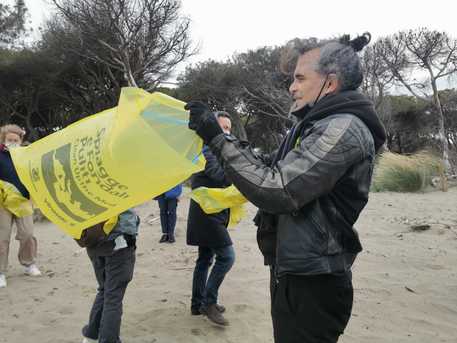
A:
x: 214, y: 200
x: 13, y: 201
x: 110, y: 224
x: 109, y: 162
x: 237, y: 213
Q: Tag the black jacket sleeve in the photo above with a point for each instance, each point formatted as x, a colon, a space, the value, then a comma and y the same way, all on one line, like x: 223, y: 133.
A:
x: 213, y: 169
x: 307, y: 172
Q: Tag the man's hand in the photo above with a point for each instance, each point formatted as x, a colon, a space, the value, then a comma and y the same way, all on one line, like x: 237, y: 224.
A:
x: 202, y: 121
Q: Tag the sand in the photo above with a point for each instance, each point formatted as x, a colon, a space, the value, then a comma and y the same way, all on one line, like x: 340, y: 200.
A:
x: 405, y: 282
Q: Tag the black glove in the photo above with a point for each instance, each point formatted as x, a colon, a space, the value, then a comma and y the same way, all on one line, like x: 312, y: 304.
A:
x: 203, y: 121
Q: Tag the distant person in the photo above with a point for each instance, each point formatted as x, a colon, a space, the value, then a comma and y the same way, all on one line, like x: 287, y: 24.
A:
x: 209, y: 233
x: 11, y: 136
x: 113, y: 260
x: 168, y: 203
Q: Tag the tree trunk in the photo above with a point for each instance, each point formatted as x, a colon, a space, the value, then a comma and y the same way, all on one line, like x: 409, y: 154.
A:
x: 33, y: 134
x: 130, y: 79
x: 400, y: 147
x: 441, y: 129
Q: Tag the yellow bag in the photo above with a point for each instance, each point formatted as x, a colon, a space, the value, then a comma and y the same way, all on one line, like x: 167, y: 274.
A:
x: 13, y: 201
x: 214, y: 200
x: 110, y: 224
x: 107, y: 163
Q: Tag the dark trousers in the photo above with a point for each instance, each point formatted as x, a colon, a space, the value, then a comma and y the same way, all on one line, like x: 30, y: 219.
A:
x: 113, y: 273
x: 310, y: 309
x: 205, y: 289
x: 168, y: 214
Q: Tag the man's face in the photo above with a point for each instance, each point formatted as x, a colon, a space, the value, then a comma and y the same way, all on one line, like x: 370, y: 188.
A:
x: 225, y: 124
x: 12, y: 139
x: 307, y: 81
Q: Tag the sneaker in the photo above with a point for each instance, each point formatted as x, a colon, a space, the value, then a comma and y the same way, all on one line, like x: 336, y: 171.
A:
x: 220, y: 308
x: 2, y: 281
x: 164, y: 238
x: 214, y: 315
x: 32, y: 270
x: 171, y: 239
x: 89, y: 340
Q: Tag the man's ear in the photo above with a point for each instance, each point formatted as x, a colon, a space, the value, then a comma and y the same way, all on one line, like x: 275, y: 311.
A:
x: 333, y: 84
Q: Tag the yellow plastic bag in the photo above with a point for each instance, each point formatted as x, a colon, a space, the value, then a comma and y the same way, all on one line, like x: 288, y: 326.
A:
x: 104, y: 164
x: 110, y: 224
x: 214, y: 200
x: 13, y: 201
x: 237, y: 213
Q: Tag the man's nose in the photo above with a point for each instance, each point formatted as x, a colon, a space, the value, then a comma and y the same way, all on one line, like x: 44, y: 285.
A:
x: 292, y: 88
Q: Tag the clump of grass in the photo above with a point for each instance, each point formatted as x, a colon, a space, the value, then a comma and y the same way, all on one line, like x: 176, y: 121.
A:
x: 400, y: 173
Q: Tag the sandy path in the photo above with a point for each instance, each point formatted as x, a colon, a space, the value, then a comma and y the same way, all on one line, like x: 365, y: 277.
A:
x: 405, y: 282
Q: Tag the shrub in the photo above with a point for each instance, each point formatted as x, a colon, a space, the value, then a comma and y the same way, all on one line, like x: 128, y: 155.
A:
x: 400, y: 173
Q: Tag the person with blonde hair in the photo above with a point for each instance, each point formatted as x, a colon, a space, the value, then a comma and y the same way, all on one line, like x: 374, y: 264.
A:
x: 15, y: 207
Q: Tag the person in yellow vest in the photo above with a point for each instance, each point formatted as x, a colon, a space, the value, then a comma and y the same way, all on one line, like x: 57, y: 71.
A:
x: 15, y: 207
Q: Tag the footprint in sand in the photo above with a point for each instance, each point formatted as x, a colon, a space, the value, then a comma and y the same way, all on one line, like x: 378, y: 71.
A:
x: 240, y: 308
x: 197, y: 332
x: 66, y: 310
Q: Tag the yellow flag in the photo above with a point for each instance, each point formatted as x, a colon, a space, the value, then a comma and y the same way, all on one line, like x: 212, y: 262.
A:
x: 104, y: 164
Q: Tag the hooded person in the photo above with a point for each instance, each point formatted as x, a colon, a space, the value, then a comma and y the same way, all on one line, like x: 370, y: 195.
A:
x: 312, y: 190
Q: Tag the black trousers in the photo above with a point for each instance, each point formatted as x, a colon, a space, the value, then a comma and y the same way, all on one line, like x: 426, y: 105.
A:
x: 113, y: 272
x: 310, y: 309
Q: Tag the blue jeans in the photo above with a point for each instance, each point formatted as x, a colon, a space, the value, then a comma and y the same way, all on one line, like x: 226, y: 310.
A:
x: 168, y: 214
x: 205, y: 290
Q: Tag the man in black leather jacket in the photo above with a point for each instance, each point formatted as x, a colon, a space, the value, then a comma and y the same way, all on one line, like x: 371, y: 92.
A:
x: 311, y: 193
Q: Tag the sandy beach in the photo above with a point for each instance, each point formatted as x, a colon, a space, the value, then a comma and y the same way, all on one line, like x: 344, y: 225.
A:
x: 405, y: 282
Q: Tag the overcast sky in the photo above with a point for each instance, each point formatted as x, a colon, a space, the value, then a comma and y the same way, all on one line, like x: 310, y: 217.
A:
x: 222, y: 28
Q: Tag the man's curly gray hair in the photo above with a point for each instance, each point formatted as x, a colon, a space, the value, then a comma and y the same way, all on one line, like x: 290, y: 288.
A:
x: 337, y: 56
